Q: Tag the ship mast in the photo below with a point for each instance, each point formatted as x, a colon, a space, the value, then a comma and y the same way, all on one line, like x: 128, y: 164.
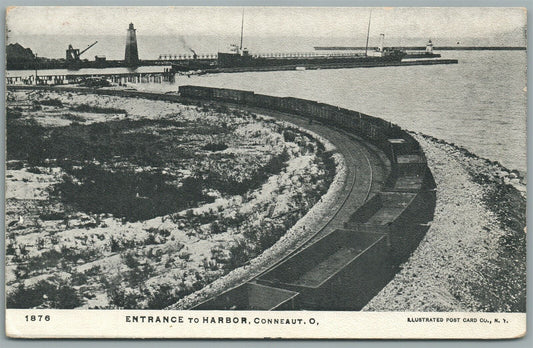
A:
x: 368, y: 33
x: 242, y: 30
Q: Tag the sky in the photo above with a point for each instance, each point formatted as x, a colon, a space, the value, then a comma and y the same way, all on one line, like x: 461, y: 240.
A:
x: 453, y: 22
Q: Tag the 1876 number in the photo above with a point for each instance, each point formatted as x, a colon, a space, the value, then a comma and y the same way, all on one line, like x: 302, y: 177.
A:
x: 38, y: 317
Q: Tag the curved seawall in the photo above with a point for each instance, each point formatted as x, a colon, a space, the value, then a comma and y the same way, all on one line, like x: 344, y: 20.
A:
x: 344, y: 269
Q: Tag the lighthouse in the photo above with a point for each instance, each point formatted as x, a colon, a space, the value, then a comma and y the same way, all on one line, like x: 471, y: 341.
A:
x: 429, y: 47
x: 131, y: 57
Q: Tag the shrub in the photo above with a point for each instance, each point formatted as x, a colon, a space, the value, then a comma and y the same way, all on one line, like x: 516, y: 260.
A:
x: 289, y: 135
x: 15, y: 165
x: 79, y: 278
x: 10, y: 249
x: 164, y: 296
x: 59, y: 295
x: 98, y: 109
x: 52, y: 215
x: 184, y: 255
x: 209, y: 265
x: 160, y: 231
x: 132, y: 195
x: 14, y: 113
x: 34, y: 170
x: 216, y: 228
x: 51, y: 102
x: 115, y: 245
x: 93, y: 271
x: 215, y: 147
x: 122, y: 299
x: 73, y: 117
x: 239, y: 255
x: 130, y: 260
x: 24, y: 141
x: 150, y: 240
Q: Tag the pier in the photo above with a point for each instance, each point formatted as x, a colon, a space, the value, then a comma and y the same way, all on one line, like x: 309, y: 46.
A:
x: 438, y: 48
x: 118, y: 78
x: 348, y: 65
x: 168, y: 75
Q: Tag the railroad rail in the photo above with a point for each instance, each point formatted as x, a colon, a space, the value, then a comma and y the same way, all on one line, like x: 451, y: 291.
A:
x: 345, y: 268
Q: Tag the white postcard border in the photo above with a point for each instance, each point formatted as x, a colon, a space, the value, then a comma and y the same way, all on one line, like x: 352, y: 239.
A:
x: 35, y: 323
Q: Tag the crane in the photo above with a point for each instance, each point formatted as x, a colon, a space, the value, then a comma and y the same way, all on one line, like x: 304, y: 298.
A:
x: 73, y: 54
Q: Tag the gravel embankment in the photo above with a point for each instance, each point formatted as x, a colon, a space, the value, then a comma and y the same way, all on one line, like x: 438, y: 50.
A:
x: 473, y: 256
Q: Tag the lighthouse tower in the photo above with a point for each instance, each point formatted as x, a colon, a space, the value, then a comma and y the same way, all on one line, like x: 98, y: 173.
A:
x: 132, y: 55
x: 429, y: 47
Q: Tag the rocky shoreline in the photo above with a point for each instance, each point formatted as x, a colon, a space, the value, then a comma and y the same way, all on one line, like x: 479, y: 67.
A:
x: 473, y: 258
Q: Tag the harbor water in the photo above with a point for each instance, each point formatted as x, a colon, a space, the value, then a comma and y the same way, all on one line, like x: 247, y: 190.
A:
x: 479, y: 104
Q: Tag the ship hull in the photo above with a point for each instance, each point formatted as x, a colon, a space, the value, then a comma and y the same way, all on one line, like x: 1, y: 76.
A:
x: 232, y: 60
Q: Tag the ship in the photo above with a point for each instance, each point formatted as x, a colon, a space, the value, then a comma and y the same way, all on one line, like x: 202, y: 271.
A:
x: 246, y: 60
x: 240, y: 57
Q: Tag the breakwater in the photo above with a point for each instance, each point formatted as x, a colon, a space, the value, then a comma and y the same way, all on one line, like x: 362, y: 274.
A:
x: 438, y: 48
x: 347, y: 65
x: 194, y: 66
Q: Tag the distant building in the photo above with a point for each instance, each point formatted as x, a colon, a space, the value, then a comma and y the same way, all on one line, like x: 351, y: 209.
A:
x: 132, y: 55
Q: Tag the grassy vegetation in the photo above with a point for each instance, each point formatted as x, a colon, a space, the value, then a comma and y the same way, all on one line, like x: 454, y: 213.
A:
x: 215, y: 147
x: 50, y: 102
x: 232, y: 186
x: 51, y: 293
x: 126, y: 193
x: 130, y: 170
x: 29, y: 141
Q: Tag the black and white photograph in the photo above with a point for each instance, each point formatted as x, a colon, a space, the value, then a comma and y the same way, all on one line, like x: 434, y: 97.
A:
x: 252, y: 172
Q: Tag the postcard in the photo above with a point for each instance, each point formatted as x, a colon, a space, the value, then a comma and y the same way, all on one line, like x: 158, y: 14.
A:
x: 265, y: 172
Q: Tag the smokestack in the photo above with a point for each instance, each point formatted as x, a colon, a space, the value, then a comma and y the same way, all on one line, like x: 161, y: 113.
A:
x: 131, y: 56
x: 381, y: 43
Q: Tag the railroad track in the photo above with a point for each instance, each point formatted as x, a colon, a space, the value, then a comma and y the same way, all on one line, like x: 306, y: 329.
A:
x: 381, y: 230
x: 364, y: 153
x: 359, y: 157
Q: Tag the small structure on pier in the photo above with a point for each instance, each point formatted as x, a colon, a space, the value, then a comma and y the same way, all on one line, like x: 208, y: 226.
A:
x: 74, y: 54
